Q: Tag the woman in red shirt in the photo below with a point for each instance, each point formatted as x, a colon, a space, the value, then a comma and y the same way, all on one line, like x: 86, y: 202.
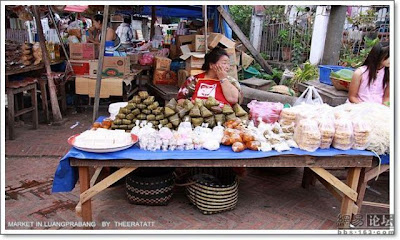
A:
x: 214, y: 81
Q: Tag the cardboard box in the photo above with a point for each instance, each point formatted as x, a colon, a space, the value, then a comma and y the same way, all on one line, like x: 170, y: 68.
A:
x: 134, y: 57
x: 173, y: 51
x: 216, y: 38
x: 162, y: 63
x: 199, y: 43
x: 82, y: 51
x: 109, y: 87
x: 185, y: 40
x: 194, y: 60
x: 232, y: 55
x: 93, y: 64
x: 116, y: 66
x: 86, y: 68
x: 194, y: 72
x: 80, y: 67
x: 233, y: 72
x: 165, y: 77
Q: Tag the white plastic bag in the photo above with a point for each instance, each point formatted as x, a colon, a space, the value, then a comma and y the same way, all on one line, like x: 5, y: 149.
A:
x: 307, y: 97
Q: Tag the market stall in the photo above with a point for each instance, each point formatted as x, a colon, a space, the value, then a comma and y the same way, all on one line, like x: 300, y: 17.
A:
x: 204, y: 133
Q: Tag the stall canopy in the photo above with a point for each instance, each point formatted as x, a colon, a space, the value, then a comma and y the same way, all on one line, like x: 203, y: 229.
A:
x: 76, y: 8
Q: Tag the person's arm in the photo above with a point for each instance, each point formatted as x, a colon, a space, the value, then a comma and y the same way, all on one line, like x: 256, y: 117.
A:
x: 231, y: 93
x: 386, y: 95
x: 110, y: 35
x: 355, y: 86
x: 186, y: 91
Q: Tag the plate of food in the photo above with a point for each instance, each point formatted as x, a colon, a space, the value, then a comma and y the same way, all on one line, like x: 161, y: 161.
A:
x: 103, y: 140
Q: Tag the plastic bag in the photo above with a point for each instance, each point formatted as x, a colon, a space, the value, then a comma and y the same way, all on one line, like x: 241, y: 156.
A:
x: 327, y: 129
x: 307, y: 135
x: 361, y: 130
x: 307, y: 97
x: 146, y: 59
x: 343, y: 138
x: 269, y: 112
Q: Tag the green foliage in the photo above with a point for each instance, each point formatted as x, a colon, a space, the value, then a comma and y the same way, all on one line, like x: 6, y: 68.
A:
x: 307, y: 73
x: 274, y: 12
x: 349, y: 59
x: 297, y: 53
x: 363, y: 19
x: 283, y: 37
x: 242, y: 16
x: 275, y: 76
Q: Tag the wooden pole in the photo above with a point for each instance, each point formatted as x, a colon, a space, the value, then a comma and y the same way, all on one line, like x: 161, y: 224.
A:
x: 205, y: 27
x: 52, y: 87
x: 153, y: 21
x: 244, y: 40
x: 100, y: 65
x: 59, y: 38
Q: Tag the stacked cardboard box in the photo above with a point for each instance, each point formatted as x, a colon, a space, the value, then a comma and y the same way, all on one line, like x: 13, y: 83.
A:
x: 162, y: 72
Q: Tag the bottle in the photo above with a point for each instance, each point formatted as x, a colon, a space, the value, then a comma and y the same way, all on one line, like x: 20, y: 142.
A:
x: 83, y: 33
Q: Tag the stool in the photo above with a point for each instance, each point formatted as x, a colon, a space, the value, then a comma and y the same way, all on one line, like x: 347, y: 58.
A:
x: 12, y: 112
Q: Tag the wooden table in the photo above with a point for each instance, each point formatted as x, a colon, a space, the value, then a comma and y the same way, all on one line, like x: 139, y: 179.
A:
x: 345, y: 192
x: 42, y: 84
x: 166, y: 92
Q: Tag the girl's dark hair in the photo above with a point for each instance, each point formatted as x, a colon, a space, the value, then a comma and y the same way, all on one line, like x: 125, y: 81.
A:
x: 98, y: 18
x: 375, y: 57
x: 213, y: 57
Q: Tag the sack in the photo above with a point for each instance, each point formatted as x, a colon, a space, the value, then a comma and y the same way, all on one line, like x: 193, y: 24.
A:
x: 269, y: 112
x: 307, y: 97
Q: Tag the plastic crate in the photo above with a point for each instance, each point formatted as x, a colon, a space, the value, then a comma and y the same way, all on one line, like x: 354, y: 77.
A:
x: 325, y: 71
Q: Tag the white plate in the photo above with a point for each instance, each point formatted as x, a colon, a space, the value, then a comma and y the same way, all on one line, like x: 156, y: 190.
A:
x: 71, y: 141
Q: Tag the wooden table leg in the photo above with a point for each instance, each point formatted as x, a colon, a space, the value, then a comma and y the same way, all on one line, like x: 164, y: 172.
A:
x: 11, y: 119
x: 45, y: 104
x: 307, y: 177
x: 35, y: 120
x: 347, y: 208
x: 84, y: 181
x: 362, y: 186
x: 63, y: 98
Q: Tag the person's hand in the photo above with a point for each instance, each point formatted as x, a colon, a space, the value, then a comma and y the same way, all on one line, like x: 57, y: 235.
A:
x: 219, y: 70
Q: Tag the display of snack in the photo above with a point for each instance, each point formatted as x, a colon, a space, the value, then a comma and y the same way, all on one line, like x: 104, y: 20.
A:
x: 307, y: 135
x: 343, y: 138
x: 361, y: 130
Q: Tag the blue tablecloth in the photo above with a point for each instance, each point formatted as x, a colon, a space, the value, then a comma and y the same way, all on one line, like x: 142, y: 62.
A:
x: 66, y: 176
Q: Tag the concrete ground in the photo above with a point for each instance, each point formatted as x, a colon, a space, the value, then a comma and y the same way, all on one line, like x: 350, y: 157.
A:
x: 269, y: 199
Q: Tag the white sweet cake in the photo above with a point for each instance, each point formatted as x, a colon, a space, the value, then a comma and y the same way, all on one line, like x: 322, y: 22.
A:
x: 103, y: 139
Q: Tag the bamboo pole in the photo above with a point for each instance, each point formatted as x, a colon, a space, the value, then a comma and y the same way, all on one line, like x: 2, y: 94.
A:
x: 59, y: 38
x: 52, y: 87
x: 100, y: 65
x: 153, y: 21
x: 205, y: 27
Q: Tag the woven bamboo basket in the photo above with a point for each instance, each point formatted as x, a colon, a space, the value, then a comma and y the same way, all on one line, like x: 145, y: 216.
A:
x: 209, y: 197
x: 150, y: 186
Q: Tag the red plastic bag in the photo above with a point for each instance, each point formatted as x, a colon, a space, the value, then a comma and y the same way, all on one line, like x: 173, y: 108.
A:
x: 269, y: 112
x: 146, y: 59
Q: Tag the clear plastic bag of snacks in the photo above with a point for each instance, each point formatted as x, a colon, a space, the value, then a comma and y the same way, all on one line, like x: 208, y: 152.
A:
x: 361, y: 131
x: 343, y: 138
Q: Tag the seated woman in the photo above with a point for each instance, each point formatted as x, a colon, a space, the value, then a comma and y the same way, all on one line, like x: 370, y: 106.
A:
x: 95, y: 31
x: 214, y: 81
x: 370, y: 82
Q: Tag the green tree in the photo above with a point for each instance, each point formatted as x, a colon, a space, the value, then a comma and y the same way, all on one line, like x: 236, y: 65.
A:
x: 242, y: 16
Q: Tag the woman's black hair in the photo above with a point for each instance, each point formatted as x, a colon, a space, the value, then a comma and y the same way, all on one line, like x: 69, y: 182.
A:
x: 375, y: 57
x: 98, y: 18
x: 213, y: 57
x: 127, y: 20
